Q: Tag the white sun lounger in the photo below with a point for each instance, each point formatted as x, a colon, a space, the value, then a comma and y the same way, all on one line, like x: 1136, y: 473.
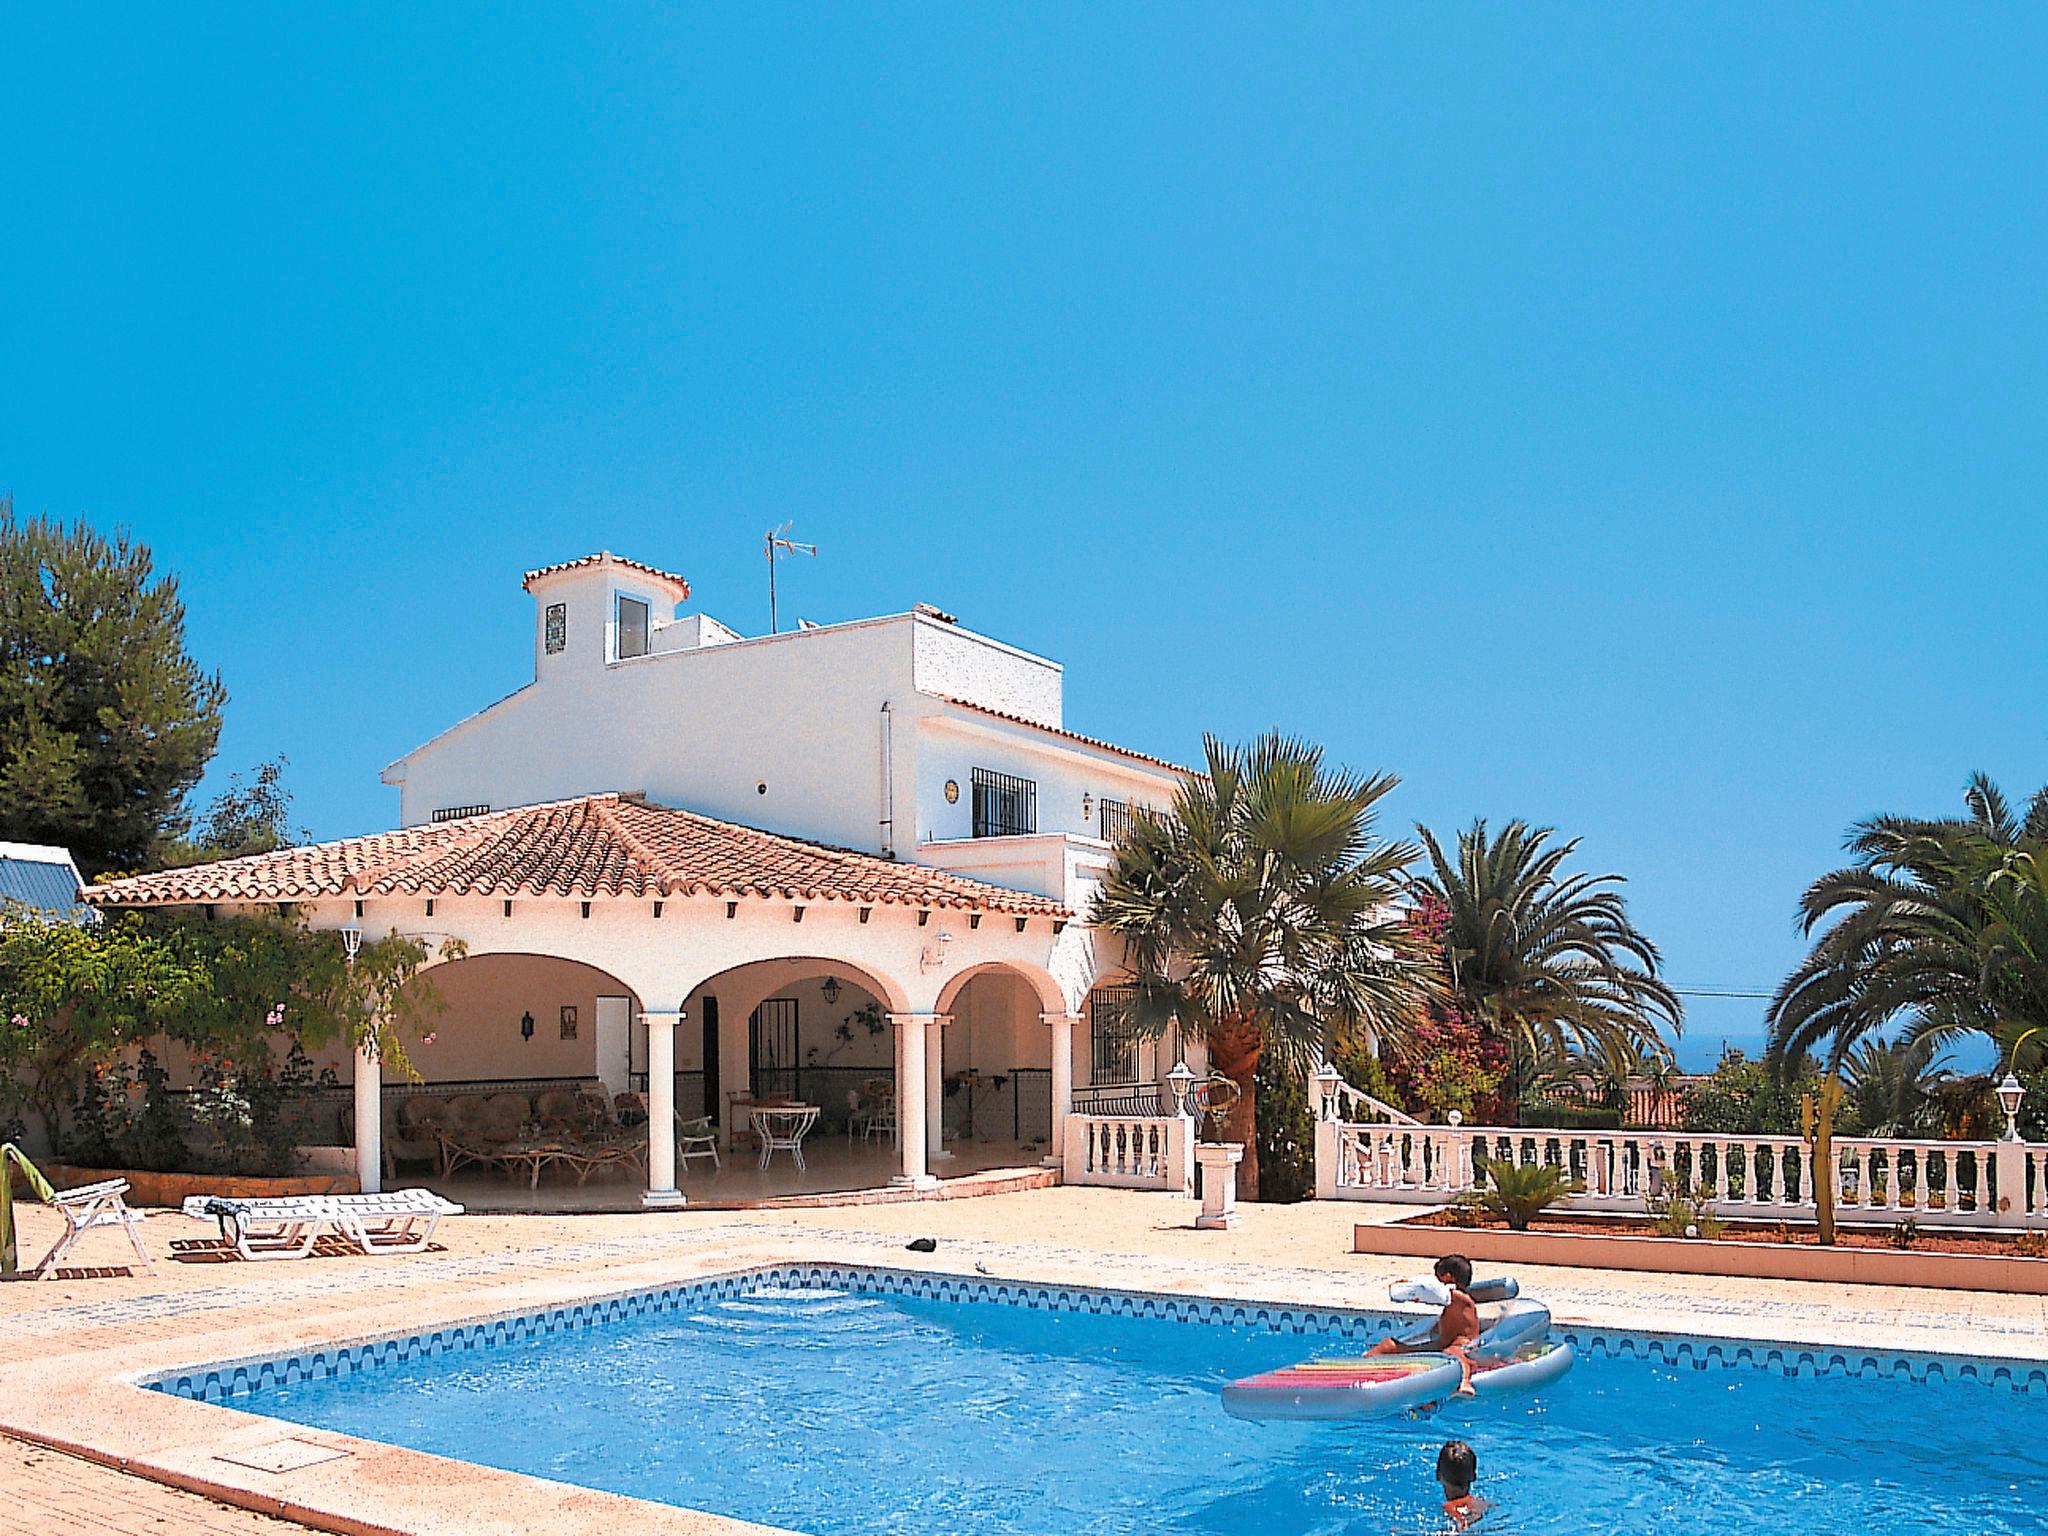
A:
x: 92, y: 1206
x: 287, y: 1227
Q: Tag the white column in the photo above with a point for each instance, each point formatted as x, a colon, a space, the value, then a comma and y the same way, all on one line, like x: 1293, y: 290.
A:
x: 661, y: 1111
x: 935, y: 1088
x: 369, y: 1120
x: 1062, y: 1025
x: 911, y: 1032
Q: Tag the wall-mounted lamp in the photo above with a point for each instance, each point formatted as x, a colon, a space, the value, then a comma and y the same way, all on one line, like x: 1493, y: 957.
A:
x: 526, y: 1026
x: 831, y: 991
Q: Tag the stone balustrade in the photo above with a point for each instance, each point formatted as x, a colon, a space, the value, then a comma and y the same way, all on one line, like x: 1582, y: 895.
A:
x: 1977, y: 1184
x: 1131, y: 1151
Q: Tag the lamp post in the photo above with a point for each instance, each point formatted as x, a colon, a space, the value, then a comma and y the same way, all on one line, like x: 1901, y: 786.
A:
x: 1180, y: 1080
x: 1326, y: 1078
x: 369, y: 1093
x: 2010, y: 1094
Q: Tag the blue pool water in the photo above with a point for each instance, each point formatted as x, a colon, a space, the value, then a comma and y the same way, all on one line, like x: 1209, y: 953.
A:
x: 839, y: 1404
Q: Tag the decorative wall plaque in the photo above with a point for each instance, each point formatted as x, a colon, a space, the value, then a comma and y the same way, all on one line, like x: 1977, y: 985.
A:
x: 558, y: 627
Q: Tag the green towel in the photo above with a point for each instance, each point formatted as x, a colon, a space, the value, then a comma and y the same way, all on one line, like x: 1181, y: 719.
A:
x: 10, y: 1153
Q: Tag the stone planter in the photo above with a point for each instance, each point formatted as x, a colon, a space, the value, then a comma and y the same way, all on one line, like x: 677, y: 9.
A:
x: 170, y: 1189
x: 1693, y: 1256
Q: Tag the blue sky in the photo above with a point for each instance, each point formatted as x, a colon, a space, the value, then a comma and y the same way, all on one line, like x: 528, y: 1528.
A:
x: 1627, y: 419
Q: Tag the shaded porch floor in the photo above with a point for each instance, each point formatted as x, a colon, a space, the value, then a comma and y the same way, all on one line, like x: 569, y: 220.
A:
x: 835, y: 1166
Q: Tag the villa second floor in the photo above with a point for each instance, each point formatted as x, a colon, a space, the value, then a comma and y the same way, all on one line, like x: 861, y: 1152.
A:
x: 906, y: 735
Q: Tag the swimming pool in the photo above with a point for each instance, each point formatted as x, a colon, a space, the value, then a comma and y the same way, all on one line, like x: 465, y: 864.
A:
x: 837, y: 1400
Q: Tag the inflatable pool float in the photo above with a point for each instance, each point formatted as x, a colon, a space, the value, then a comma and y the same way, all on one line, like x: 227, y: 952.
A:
x: 1514, y: 1354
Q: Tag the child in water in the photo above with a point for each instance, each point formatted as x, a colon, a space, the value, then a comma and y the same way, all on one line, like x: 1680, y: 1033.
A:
x: 1457, y: 1326
x: 1457, y: 1467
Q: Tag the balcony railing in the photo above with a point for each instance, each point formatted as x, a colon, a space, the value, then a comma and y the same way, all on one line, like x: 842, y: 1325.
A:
x: 1004, y: 806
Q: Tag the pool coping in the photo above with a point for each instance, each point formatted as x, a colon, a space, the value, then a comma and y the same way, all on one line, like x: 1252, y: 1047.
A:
x: 1353, y: 1325
x: 88, y: 1401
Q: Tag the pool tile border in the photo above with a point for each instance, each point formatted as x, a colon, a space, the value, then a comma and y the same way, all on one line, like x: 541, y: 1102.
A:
x: 233, y: 1380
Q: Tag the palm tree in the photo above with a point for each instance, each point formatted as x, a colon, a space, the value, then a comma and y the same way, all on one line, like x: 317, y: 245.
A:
x: 1891, y: 1083
x: 1547, y: 956
x: 1942, y: 923
x: 1263, y: 913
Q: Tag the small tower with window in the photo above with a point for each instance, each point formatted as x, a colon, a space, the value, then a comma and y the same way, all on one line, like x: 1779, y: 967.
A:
x: 598, y: 611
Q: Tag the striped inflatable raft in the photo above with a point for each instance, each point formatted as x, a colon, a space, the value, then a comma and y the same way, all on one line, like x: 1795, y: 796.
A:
x: 1514, y: 1354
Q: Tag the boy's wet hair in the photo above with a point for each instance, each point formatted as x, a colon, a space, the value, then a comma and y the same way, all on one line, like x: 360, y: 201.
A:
x: 1455, y: 1268
x: 1457, y: 1465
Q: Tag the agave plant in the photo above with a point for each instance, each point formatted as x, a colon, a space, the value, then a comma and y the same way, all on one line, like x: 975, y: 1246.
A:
x: 1519, y: 1192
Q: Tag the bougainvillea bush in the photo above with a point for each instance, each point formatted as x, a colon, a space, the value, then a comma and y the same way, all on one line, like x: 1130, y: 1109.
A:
x: 1450, y: 1060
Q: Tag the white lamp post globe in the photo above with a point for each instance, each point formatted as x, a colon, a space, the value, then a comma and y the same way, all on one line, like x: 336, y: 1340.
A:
x: 2010, y: 1096
x: 1180, y: 1080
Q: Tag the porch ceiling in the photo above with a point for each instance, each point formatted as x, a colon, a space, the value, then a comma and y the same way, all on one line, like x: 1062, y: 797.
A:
x: 593, y: 846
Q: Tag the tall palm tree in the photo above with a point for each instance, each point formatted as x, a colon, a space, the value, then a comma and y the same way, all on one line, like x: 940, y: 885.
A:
x: 1549, y: 956
x: 1939, y: 923
x: 1263, y: 913
x: 1890, y: 1086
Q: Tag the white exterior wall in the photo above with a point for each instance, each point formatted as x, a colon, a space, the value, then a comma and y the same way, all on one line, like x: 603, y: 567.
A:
x: 708, y: 718
x: 957, y: 663
x: 700, y: 728
x: 955, y: 744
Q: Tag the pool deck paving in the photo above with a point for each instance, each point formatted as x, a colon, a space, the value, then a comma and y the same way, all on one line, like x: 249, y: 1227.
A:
x: 70, y: 1348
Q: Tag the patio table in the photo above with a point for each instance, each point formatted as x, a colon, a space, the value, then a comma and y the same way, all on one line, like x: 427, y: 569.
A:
x: 783, y: 1126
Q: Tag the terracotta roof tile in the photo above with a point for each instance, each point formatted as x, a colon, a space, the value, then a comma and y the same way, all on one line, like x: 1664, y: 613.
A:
x: 591, y: 847
x: 1054, y: 730
x: 606, y: 557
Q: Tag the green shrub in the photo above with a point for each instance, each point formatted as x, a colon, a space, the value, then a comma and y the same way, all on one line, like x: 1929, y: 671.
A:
x: 1688, y: 1215
x: 1518, y: 1194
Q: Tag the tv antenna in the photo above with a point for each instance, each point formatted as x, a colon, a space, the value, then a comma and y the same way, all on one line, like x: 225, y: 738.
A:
x: 779, y: 546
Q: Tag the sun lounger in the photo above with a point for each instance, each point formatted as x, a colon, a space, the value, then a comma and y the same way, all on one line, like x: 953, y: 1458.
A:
x: 287, y: 1227
x: 88, y: 1208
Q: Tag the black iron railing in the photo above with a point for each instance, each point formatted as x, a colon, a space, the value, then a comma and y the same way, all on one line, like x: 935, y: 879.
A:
x: 1004, y: 806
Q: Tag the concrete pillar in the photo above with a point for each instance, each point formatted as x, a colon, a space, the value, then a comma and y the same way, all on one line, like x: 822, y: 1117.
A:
x: 911, y: 1032
x: 1219, y: 1162
x: 369, y: 1120
x: 2010, y: 1209
x: 661, y: 1111
x: 1062, y: 1026
x: 935, y: 1088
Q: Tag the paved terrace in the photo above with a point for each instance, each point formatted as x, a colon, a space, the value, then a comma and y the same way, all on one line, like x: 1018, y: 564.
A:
x: 66, y: 1345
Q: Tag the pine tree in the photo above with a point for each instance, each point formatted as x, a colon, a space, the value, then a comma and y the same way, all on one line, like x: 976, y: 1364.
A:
x: 105, y: 721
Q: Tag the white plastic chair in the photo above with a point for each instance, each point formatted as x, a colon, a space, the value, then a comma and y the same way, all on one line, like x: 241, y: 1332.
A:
x: 695, y: 1138
x: 90, y: 1207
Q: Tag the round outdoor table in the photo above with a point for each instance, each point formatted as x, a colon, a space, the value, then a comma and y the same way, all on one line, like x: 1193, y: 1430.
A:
x: 783, y: 1125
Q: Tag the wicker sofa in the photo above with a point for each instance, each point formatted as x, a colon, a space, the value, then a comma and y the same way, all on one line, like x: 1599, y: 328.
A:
x: 420, y: 1127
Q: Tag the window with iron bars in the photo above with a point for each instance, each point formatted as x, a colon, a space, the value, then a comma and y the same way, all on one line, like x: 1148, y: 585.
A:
x: 1113, y: 1048
x: 1004, y: 806
x: 1116, y: 819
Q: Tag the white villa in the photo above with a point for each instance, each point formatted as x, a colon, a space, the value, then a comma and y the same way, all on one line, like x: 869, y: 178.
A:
x: 726, y: 869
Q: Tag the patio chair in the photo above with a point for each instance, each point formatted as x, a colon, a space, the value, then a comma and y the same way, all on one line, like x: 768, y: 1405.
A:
x: 871, y: 1112
x: 409, y: 1134
x: 695, y: 1138
x: 460, y: 1148
x: 88, y: 1208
